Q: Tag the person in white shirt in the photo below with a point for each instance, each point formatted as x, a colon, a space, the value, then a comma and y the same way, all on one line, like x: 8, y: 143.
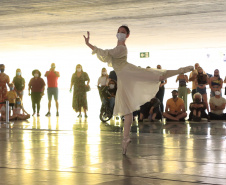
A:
x: 102, y: 82
x: 217, y: 106
x: 103, y: 79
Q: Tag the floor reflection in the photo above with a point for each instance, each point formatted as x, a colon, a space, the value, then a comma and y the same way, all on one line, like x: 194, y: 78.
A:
x: 215, y: 127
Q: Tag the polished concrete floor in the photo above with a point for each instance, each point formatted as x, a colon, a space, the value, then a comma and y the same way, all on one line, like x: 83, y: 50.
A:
x: 51, y: 150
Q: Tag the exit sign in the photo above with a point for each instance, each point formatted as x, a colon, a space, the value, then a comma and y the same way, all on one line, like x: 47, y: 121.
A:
x: 144, y: 55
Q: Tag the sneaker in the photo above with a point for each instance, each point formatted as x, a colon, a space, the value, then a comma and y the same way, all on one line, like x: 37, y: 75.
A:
x: 57, y: 114
x: 33, y: 114
x: 48, y: 114
x: 38, y: 114
x: 79, y: 116
x: 86, y: 116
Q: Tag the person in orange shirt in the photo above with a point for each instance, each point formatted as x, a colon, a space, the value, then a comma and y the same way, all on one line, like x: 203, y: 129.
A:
x: 175, y: 109
x: 11, y: 95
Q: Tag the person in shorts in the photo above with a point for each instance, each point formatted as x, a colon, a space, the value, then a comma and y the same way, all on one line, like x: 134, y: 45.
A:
x: 52, y: 90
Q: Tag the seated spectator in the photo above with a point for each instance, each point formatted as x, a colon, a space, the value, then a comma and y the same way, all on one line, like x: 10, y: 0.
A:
x: 17, y: 111
x: 3, y: 113
x: 217, y: 106
x: 215, y: 83
x: 151, y: 110
x: 175, y: 110
x: 201, y: 82
x: 197, y: 108
x: 109, y: 94
x: 11, y: 96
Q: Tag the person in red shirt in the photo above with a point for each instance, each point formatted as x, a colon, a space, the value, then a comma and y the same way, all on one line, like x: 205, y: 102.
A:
x: 52, y: 90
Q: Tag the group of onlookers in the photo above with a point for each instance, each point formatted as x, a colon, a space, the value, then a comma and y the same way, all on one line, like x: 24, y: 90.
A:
x: 36, y: 87
x: 176, y: 106
x: 175, y: 109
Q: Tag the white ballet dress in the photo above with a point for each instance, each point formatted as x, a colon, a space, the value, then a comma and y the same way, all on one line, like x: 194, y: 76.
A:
x: 135, y: 85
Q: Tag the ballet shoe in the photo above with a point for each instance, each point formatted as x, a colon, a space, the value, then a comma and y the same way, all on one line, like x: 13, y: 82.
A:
x: 125, y: 143
x: 186, y: 69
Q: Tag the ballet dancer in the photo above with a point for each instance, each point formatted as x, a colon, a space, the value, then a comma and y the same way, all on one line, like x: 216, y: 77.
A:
x: 132, y: 81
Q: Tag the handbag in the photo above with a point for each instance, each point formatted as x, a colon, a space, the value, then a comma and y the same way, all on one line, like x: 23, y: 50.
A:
x: 87, y: 88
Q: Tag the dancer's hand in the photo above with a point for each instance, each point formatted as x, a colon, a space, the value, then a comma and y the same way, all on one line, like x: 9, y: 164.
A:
x: 87, y: 38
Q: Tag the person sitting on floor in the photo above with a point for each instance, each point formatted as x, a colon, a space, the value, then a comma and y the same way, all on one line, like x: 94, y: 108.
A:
x: 11, y: 95
x: 17, y: 111
x: 175, y: 109
x: 197, y: 108
x: 151, y: 110
x: 3, y: 113
x: 217, y: 106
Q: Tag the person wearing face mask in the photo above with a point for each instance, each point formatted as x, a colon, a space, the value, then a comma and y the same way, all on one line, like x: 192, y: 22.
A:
x: 19, y: 84
x: 4, y: 81
x: 52, y: 90
x: 18, y: 111
x: 161, y: 91
x: 197, y: 108
x: 215, y: 83
x: 132, y: 81
x: 109, y: 94
x: 217, y: 106
x: 78, y: 80
x: 175, y: 110
x: 102, y: 81
x: 36, y: 88
x: 201, y: 81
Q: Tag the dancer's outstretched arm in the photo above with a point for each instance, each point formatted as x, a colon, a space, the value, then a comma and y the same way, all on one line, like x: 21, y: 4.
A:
x: 87, y: 40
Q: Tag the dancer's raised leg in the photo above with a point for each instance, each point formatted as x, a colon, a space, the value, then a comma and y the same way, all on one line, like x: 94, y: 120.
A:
x: 127, y: 125
x: 170, y: 73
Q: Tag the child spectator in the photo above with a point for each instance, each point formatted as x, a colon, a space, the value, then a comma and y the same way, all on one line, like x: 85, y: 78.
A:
x: 18, y: 108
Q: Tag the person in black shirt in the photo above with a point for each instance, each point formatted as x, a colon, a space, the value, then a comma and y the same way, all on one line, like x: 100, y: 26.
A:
x: 151, y: 110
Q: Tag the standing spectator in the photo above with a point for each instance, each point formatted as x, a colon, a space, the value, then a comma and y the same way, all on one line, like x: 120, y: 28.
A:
x: 19, y: 84
x: 175, y: 110
x: 182, y: 89
x: 36, y: 89
x: 201, y: 81
x: 192, y: 78
x: 215, y: 83
x: 112, y: 76
x: 80, y: 88
x: 4, y: 79
x: 103, y: 79
x: 217, y: 106
x: 52, y: 90
x: 161, y: 92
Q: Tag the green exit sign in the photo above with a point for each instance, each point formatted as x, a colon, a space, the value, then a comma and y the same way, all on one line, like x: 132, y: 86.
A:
x: 144, y: 55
